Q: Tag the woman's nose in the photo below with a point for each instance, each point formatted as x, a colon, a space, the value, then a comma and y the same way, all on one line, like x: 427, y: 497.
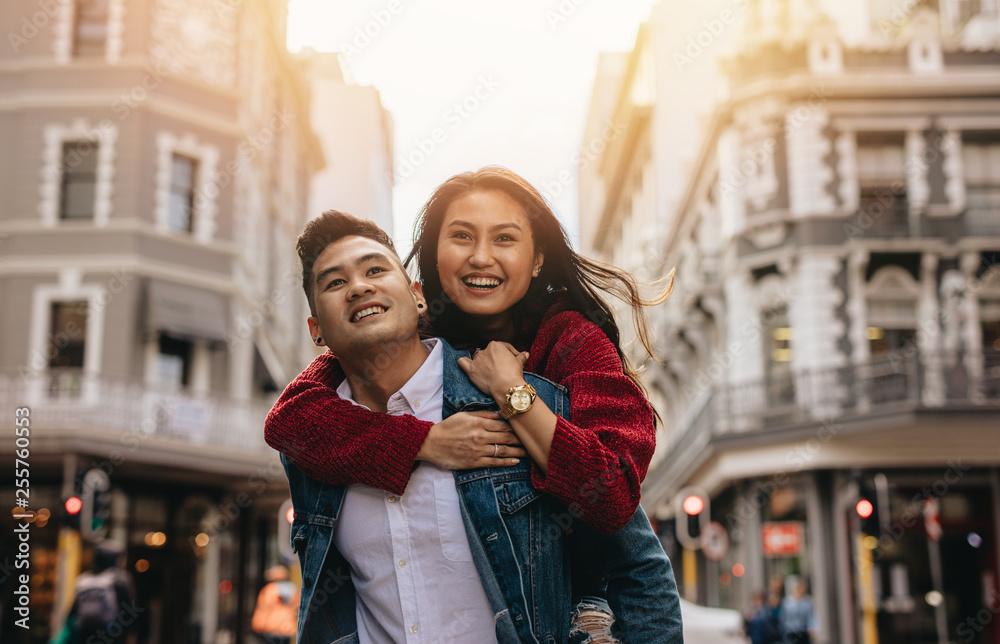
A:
x: 481, y: 255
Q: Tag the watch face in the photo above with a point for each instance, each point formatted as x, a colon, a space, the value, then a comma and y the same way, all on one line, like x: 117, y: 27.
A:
x: 520, y: 400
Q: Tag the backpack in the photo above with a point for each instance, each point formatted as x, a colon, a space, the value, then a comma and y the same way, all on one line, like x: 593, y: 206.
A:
x: 96, y: 600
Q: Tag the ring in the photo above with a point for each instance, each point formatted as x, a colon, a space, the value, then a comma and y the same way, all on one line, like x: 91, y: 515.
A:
x: 496, y: 450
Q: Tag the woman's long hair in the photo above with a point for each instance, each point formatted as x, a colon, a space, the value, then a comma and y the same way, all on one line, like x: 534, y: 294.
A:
x: 565, y: 276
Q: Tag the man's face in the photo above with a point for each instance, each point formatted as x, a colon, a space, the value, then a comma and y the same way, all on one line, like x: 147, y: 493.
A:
x: 364, y: 299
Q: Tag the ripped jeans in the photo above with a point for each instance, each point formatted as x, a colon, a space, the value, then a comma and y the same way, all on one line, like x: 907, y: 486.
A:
x: 592, y: 621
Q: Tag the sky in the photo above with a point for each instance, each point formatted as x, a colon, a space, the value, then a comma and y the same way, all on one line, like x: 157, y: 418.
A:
x: 471, y: 84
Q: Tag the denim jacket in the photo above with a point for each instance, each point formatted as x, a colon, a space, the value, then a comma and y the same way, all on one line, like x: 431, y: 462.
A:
x: 516, y: 535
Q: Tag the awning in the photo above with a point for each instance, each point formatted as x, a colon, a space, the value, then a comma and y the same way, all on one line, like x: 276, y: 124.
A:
x: 186, y: 311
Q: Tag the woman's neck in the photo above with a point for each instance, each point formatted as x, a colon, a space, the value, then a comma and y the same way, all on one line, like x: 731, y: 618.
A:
x: 497, y: 327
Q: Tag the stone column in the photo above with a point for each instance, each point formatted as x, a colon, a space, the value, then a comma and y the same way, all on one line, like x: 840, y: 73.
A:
x: 972, y: 332
x: 857, y: 313
x: 934, y: 392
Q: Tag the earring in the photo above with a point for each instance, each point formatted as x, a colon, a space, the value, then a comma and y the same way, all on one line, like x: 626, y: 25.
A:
x: 420, y: 305
x: 318, y: 340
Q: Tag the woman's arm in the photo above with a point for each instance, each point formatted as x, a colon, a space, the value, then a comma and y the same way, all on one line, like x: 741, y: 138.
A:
x: 596, y: 463
x: 335, y: 441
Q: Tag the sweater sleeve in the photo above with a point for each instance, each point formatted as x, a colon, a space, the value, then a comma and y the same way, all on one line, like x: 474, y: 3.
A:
x: 335, y: 441
x: 597, y: 462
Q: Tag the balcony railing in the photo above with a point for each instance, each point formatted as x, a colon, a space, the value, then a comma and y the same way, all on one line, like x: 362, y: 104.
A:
x: 901, y: 381
x: 74, y: 400
x: 874, y: 219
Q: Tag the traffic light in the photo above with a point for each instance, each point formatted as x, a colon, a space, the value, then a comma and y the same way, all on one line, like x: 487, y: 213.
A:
x: 866, y: 508
x: 95, y: 512
x: 72, y: 506
x: 692, y: 508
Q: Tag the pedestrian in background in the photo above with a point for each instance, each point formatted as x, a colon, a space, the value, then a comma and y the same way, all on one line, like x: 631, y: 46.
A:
x: 798, y: 615
x: 104, y: 601
x: 762, y: 621
x: 275, y: 617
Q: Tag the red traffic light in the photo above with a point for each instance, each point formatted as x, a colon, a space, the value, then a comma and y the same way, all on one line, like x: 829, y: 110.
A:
x: 74, y: 505
x: 864, y: 508
x: 693, y: 505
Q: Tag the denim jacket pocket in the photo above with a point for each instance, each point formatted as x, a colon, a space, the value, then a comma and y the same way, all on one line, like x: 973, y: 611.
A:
x: 513, y: 494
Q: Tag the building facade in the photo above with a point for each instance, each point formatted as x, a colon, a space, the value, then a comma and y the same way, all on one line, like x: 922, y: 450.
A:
x: 358, y: 176
x: 834, y: 334
x: 158, y: 157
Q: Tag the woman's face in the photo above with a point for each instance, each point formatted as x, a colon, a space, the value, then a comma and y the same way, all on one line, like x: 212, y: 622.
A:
x: 486, y: 253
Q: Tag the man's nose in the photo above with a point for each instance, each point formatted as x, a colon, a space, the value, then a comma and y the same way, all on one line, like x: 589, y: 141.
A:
x: 360, y: 287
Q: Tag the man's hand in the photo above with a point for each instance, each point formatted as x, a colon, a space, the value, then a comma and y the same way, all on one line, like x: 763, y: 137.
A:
x: 496, y: 369
x: 468, y: 440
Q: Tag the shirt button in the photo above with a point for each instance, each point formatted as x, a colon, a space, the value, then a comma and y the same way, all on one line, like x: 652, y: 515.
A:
x: 414, y: 629
x: 402, y: 563
x: 416, y: 406
x: 391, y: 498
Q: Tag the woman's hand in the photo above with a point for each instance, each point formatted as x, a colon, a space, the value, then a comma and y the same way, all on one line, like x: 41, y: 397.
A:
x: 467, y: 440
x: 496, y: 369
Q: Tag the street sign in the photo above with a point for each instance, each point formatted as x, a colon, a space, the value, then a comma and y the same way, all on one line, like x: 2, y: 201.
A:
x: 714, y: 541
x: 782, y: 538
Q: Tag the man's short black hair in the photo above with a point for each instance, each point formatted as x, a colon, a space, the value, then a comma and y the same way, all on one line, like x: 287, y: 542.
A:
x: 330, y: 227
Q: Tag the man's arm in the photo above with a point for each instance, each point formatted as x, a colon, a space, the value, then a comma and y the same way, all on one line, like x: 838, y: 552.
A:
x: 335, y: 441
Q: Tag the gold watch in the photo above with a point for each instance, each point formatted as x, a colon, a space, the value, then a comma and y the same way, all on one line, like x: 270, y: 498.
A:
x: 519, y: 400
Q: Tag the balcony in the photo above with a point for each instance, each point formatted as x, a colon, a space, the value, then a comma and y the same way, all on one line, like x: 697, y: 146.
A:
x: 875, y: 219
x: 102, y: 407
x: 776, y: 410
x: 904, y: 381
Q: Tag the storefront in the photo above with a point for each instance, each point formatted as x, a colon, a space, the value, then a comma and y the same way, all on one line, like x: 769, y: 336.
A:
x: 923, y: 565
x: 196, y: 556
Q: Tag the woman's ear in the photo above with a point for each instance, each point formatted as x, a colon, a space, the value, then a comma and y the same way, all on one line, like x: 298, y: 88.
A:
x: 539, y: 260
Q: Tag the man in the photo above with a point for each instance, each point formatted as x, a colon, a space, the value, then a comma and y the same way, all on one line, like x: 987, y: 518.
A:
x: 463, y: 556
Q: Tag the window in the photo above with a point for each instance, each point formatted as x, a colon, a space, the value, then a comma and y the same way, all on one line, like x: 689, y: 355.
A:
x: 989, y: 312
x: 79, y: 179
x: 181, y: 199
x: 778, y: 345
x: 90, y: 34
x: 67, y: 331
x: 173, y: 363
x: 882, y: 179
x: 981, y: 163
x: 884, y: 341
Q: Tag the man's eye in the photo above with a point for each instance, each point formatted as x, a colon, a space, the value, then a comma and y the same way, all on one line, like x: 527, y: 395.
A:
x: 336, y: 282
x: 376, y: 270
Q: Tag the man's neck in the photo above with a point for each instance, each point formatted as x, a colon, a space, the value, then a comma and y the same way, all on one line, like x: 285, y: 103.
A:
x: 377, y: 374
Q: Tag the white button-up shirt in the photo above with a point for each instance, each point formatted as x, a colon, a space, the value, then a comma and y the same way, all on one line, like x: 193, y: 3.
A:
x: 409, y: 555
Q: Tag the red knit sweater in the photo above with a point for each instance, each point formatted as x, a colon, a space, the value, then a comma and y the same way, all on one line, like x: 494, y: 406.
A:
x: 596, y: 463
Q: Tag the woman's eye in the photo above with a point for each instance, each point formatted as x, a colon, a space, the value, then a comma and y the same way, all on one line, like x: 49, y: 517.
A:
x: 506, y: 238
x: 376, y: 270
x: 461, y: 235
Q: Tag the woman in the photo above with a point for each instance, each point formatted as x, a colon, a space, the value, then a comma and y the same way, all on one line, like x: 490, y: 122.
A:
x: 498, y: 273
x: 557, y: 315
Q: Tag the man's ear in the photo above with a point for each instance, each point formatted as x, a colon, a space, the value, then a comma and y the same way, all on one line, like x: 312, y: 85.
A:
x: 418, y: 295
x: 314, y: 331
